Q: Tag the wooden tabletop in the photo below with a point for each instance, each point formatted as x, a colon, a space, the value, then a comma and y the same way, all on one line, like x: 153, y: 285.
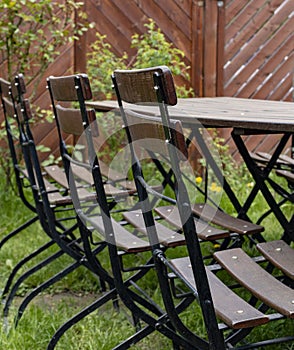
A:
x: 262, y: 115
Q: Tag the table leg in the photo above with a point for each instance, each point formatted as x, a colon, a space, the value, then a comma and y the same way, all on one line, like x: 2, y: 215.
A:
x: 260, y: 176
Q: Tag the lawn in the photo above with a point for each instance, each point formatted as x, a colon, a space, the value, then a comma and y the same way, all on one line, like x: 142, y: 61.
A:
x: 102, y: 329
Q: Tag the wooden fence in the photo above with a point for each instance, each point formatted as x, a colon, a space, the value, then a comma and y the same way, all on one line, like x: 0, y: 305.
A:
x: 234, y: 47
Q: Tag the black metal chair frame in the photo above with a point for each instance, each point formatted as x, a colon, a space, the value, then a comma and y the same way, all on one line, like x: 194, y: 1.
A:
x: 8, y: 96
x: 59, y: 234
x: 129, y: 86
x: 127, y: 290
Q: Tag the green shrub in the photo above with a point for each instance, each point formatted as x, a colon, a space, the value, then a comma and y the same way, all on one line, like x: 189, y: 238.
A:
x: 152, y: 49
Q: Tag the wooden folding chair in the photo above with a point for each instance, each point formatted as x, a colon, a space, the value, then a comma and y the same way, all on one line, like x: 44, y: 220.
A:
x: 228, y: 318
x: 52, y: 222
x: 225, y: 230
x: 101, y: 223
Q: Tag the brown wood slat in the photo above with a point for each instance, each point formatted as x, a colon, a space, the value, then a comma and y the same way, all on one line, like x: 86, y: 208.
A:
x: 57, y: 174
x: 197, y: 54
x: 257, y: 280
x: 54, y: 194
x: 288, y: 160
x: 204, y: 230
x: 166, y: 236
x: 286, y: 174
x: 233, y: 8
x: 267, y: 157
x: 135, y: 15
x: 177, y: 16
x: 123, y: 185
x: 282, y: 91
x: 113, y: 13
x: 115, y: 36
x: 229, y: 222
x: 280, y: 254
x: 265, y: 48
x: 229, y: 307
x: 268, y: 143
x: 185, y: 5
x: 220, y: 50
x: 124, y: 239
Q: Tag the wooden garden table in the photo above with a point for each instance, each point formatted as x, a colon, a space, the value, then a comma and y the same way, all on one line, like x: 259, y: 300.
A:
x: 245, y: 117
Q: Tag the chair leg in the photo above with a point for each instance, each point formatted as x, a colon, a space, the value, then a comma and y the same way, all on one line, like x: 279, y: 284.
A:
x: 18, y: 230
x: 85, y: 312
x: 21, y: 263
x: 42, y: 287
x: 135, y: 338
x: 26, y: 275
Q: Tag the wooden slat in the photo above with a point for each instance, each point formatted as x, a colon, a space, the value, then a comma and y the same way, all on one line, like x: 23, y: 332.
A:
x: 229, y: 222
x: 280, y: 254
x: 204, y: 230
x: 267, y: 38
x: 173, y: 34
x: 237, y: 24
x: 277, y: 75
x: 248, y: 23
x: 197, y: 54
x: 177, y: 15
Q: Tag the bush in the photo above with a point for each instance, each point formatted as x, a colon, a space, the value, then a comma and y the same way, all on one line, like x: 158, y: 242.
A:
x: 152, y: 49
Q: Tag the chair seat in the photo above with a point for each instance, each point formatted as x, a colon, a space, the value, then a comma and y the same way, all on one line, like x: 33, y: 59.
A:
x: 125, y: 240
x: 57, y: 174
x: 257, y: 280
x: 227, y: 221
x: 229, y: 307
x: 167, y: 237
x: 204, y: 230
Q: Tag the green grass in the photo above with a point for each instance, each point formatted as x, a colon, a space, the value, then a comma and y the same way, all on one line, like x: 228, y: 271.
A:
x: 102, y: 329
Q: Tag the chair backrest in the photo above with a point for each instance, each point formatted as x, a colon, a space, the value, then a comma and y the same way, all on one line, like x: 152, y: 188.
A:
x: 138, y: 86
x: 163, y: 135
